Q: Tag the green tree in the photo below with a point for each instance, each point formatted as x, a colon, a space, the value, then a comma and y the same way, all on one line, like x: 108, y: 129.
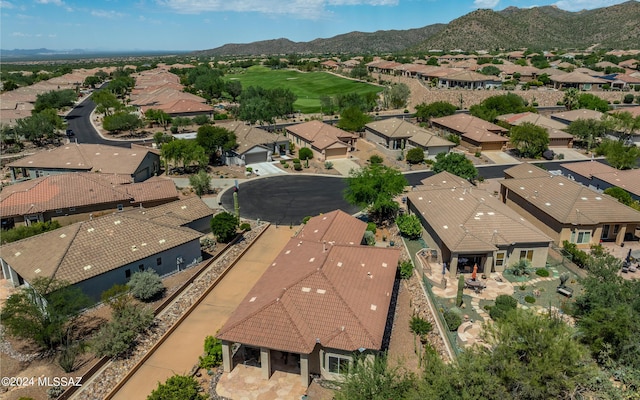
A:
x: 425, y: 112
x: 409, y: 226
x: 588, y: 131
x: 374, y: 188
x: 415, y: 155
x: 571, y: 99
x: 200, y: 182
x: 145, y: 285
x: 457, y: 164
x: 374, y: 380
x: 530, y: 140
x: 44, y: 312
x: 178, y: 387
x: 215, y: 140
x: 305, y: 153
x: 353, y: 119
x: 224, y: 226
x: 56, y: 99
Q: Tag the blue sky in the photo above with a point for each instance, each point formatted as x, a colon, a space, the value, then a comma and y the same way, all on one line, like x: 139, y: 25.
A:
x: 116, y: 25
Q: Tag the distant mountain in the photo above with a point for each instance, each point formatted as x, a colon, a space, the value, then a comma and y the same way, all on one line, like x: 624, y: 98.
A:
x: 512, y: 28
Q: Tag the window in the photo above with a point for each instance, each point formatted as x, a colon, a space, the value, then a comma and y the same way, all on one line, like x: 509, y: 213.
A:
x: 159, y: 261
x: 127, y: 273
x: 120, y: 207
x: 338, y: 364
x: 583, y: 237
x: 526, y: 254
x: 500, y: 256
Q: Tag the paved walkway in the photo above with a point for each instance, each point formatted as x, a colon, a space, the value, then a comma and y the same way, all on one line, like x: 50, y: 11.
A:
x: 179, y: 353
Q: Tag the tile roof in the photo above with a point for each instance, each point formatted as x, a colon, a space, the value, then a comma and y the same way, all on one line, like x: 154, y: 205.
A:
x: 575, y: 115
x: 336, y: 295
x: 87, y: 157
x: 87, y: 249
x: 181, y: 212
x: 471, y: 220
x: 628, y: 180
x: 319, y: 134
x: 569, y: 202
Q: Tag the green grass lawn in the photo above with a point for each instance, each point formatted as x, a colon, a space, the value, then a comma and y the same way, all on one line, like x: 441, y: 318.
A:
x: 308, y: 86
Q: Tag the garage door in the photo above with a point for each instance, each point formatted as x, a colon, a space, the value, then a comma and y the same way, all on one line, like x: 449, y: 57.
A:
x: 335, y: 153
x: 252, y: 158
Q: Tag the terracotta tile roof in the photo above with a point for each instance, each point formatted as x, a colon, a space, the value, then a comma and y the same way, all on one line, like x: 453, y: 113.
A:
x: 525, y: 170
x: 319, y: 134
x: 335, y: 295
x: 569, y: 202
x: 81, y: 251
x: 575, y: 115
x: 628, y: 180
x: 472, y: 127
x: 87, y: 157
x: 471, y: 220
x: 63, y: 191
x: 180, y: 212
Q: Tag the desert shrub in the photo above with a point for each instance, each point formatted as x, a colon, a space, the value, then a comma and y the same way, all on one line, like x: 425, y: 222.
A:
x: 420, y: 326
x: 542, y: 272
x: 371, y: 226
x: 406, y: 269
x: 376, y: 159
x: 453, y: 319
x: 530, y: 299
x: 145, y: 285
x: 212, y: 353
x: 369, y: 238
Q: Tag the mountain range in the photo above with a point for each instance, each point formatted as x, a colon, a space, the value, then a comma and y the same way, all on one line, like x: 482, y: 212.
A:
x: 546, y: 27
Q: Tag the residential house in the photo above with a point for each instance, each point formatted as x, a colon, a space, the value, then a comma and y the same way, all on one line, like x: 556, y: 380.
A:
x: 94, y: 255
x: 471, y: 227
x: 393, y: 135
x: 578, y: 80
x: 600, y: 176
x: 323, y: 298
x: 567, y: 117
x: 566, y: 210
x: 326, y: 141
x: 138, y: 162
x: 475, y: 133
x: 73, y: 197
x: 557, y: 137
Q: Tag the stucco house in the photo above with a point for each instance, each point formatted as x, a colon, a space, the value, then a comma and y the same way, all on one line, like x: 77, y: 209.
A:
x: 475, y: 133
x: 566, y: 210
x: 323, y: 298
x: 394, y: 134
x: 138, y: 162
x: 94, y: 255
x: 326, y: 141
x: 77, y: 196
x: 471, y: 227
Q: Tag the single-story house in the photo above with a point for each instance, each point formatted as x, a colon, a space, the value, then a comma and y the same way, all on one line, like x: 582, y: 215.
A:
x: 578, y: 80
x: 94, y: 255
x: 600, y: 176
x: 326, y: 141
x: 323, y: 299
x: 78, y: 195
x: 566, y: 210
x: 255, y: 145
x: 472, y: 227
x: 191, y: 213
x: 138, y: 162
x: 557, y: 137
x: 567, y: 117
x: 394, y: 134
x: 475, y: 133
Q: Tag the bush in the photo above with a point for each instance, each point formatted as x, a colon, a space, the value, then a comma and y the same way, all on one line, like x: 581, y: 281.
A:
x: 453, y: 319
x: 542, y: 272
x: 305, y: 153
x: 145, y: 285
x: 212, y: 353
x: 371, y: 226
x: 406, y: 269
x: 420, y: 326
x: 376, y: 159
x: 369, y: 238
x: 530, y: 299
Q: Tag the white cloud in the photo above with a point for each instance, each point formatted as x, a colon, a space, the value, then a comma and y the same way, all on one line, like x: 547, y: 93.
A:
x: 305, y: 9
x: 577, y: 5
x: 485, y: 3
x: 107, y: 14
